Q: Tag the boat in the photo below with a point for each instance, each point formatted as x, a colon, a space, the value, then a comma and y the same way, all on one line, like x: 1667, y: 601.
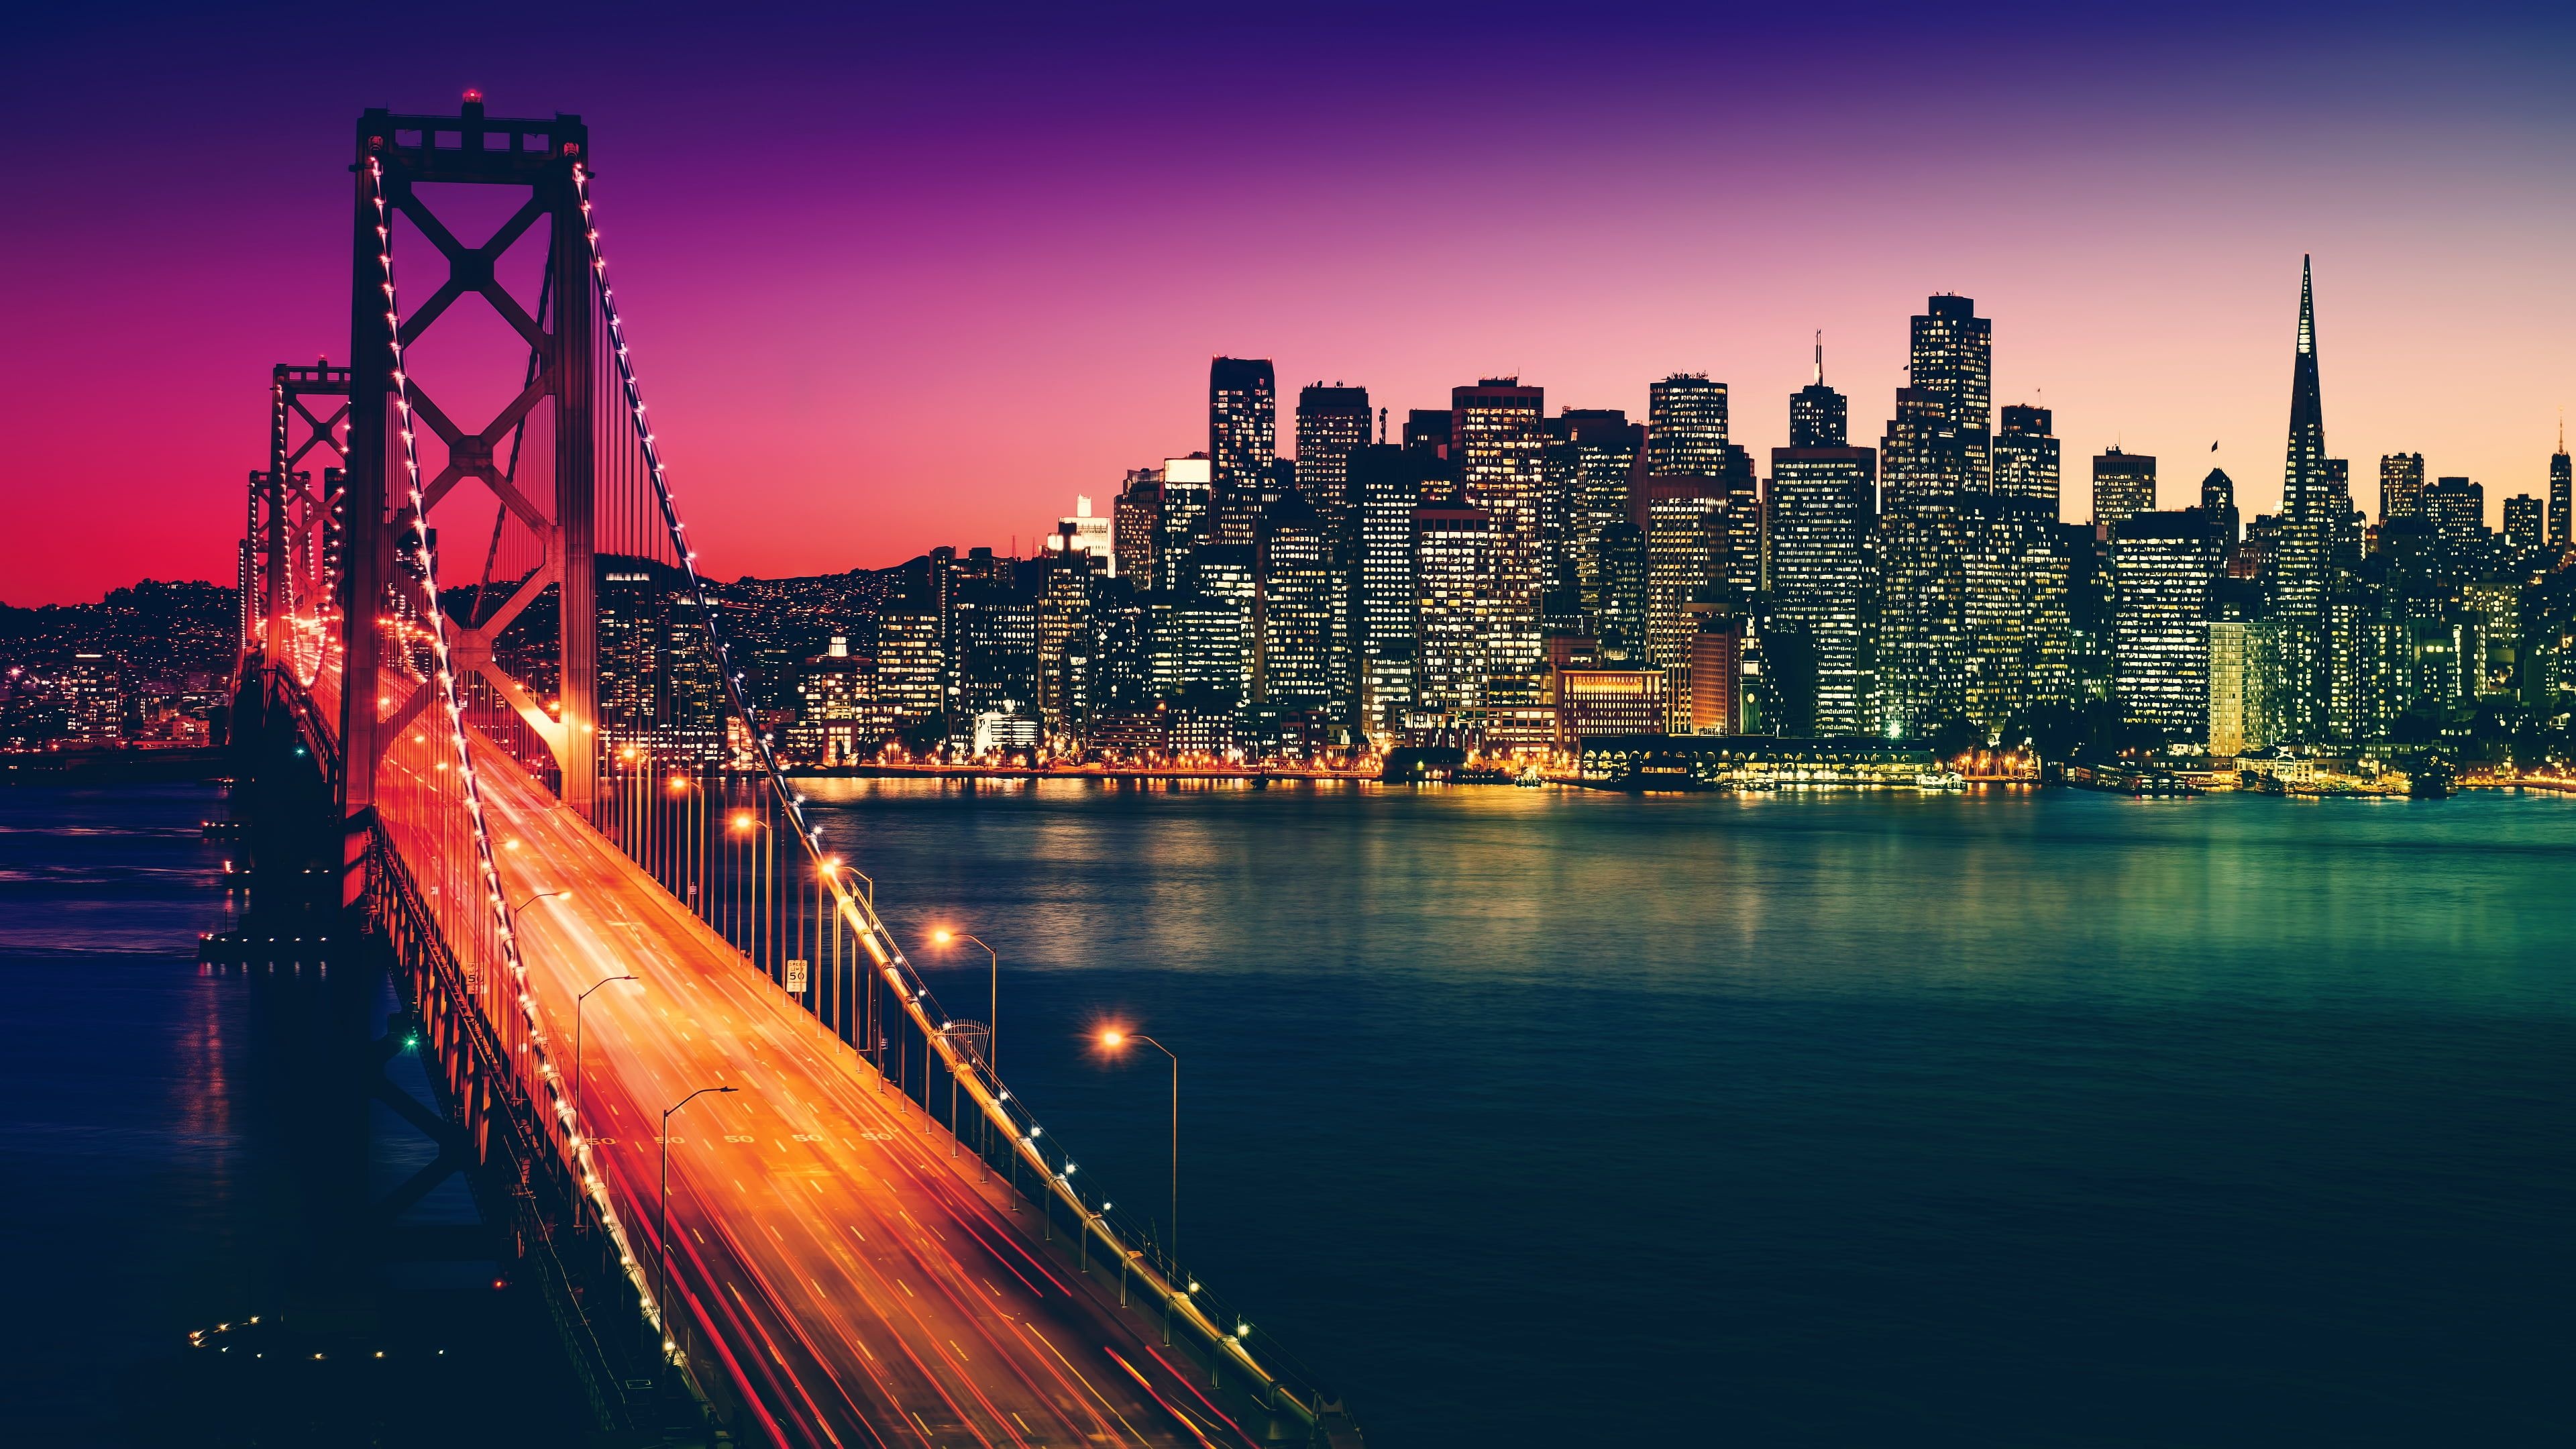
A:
x: 1940, y: 780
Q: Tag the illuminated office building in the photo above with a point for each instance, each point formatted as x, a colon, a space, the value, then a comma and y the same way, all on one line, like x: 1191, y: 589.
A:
x: 1243, y: 444
x: 1499, y: 433
x: 1686, y: 426
x: 1332, y: 423
x: 2124, y: 486
x: 1453, y: 581
x: 2163, y: 568
x: 2026, y: 467
x: 1818, y: 572
x: 2401, y: 486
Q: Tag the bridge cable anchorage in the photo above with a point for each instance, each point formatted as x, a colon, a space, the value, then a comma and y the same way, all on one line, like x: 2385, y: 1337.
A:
x: 445, y: 677
x: 981, y: 1081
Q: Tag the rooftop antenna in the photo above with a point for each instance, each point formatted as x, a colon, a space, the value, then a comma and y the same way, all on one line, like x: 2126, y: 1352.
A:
x: 1381, y: 427
x: 1820, y: 357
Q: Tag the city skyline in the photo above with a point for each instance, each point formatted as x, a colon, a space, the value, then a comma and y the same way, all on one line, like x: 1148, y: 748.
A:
x: 1656, y: 225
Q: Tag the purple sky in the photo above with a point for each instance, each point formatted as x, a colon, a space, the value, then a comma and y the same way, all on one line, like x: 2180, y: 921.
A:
x: 904, y: 282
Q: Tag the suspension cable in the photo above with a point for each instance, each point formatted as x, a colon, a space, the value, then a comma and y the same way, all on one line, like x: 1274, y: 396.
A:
x: 444, y: 676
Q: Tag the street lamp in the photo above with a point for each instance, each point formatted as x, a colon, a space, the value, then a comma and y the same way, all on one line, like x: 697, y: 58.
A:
x: 993, y: 1008
x: 539, y: 896
x: 1115, y: 1039
x: 576, y: 1044
x: 662, y: 1239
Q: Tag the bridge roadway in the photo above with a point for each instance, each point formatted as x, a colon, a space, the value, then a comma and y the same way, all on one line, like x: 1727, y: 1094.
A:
x: 860, y: 1287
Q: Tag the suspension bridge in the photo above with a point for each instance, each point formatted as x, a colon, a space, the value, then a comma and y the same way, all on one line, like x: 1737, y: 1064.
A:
x: 760, y: 1169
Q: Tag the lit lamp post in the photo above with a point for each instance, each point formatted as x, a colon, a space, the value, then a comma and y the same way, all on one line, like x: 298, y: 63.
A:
x: 662, y: 1239
x: 1115, y: 1039
x: 993, y: 1008
x: 576, y: 1043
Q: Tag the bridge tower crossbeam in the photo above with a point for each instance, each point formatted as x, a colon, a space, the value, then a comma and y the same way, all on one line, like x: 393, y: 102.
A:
x: 539, y: 158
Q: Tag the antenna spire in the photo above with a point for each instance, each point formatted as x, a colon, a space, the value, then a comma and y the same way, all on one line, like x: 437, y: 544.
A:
x: 1820, y: 357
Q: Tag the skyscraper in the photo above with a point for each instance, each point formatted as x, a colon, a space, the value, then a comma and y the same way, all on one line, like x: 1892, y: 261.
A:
x: 1684, y: 521
x: 2522, y: 522
x: 2025, y: 457
x: 1188, y: 520
x: 1819, y: 417
x: 2559, y: 501
x: 1135, y: 522
x: 1243, y: 443
x: 1295, y: 646
x: 1498, y: 434
x: 2164, y: 565
x: 1606, y: 445
x: 1332, y: 423
x: 1816, y: 564
x: 2303, y: 557
x: 2124, y: 486
x: 2218, y: 500
x: 2401, y: 485
x: 1388, y: 484
x: 1953, y: 361
x: 1686, y: 426
x: 1453, y: 576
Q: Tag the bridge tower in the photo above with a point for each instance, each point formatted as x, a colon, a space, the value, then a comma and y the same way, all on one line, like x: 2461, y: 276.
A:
x: 550, y: 404
x: 294, y: 529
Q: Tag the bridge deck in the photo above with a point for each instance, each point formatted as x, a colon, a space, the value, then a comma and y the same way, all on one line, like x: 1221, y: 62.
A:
x: 860, y: 1285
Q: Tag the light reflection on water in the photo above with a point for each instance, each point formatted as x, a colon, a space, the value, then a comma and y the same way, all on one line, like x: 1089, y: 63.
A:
x: 1822, y: 1118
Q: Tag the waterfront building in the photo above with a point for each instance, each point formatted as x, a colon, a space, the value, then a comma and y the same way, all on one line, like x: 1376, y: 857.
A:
x: 1716, y: 675
x: 2244, y: 669
x: 1243, y: 443
x: 1606, y: 447
x: 2302, y: 563
x: 2163, y: 566
x: 1453, y: 545
x: 1495, y: 448
x: 838, y: 718
x: 910, y: 663
x: 1818, y: 518
x: 1685, y: 527
x: 2124, y: 486
x: 1389, y: 483
x: 1596, y: 702
x: 1621, y: 627
x: 1296, y: 649
x: 1701, y: 762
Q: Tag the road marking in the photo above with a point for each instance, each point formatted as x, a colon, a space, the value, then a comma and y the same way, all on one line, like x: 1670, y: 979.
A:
x: 961, y: 1353
x: 906, y: 1287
